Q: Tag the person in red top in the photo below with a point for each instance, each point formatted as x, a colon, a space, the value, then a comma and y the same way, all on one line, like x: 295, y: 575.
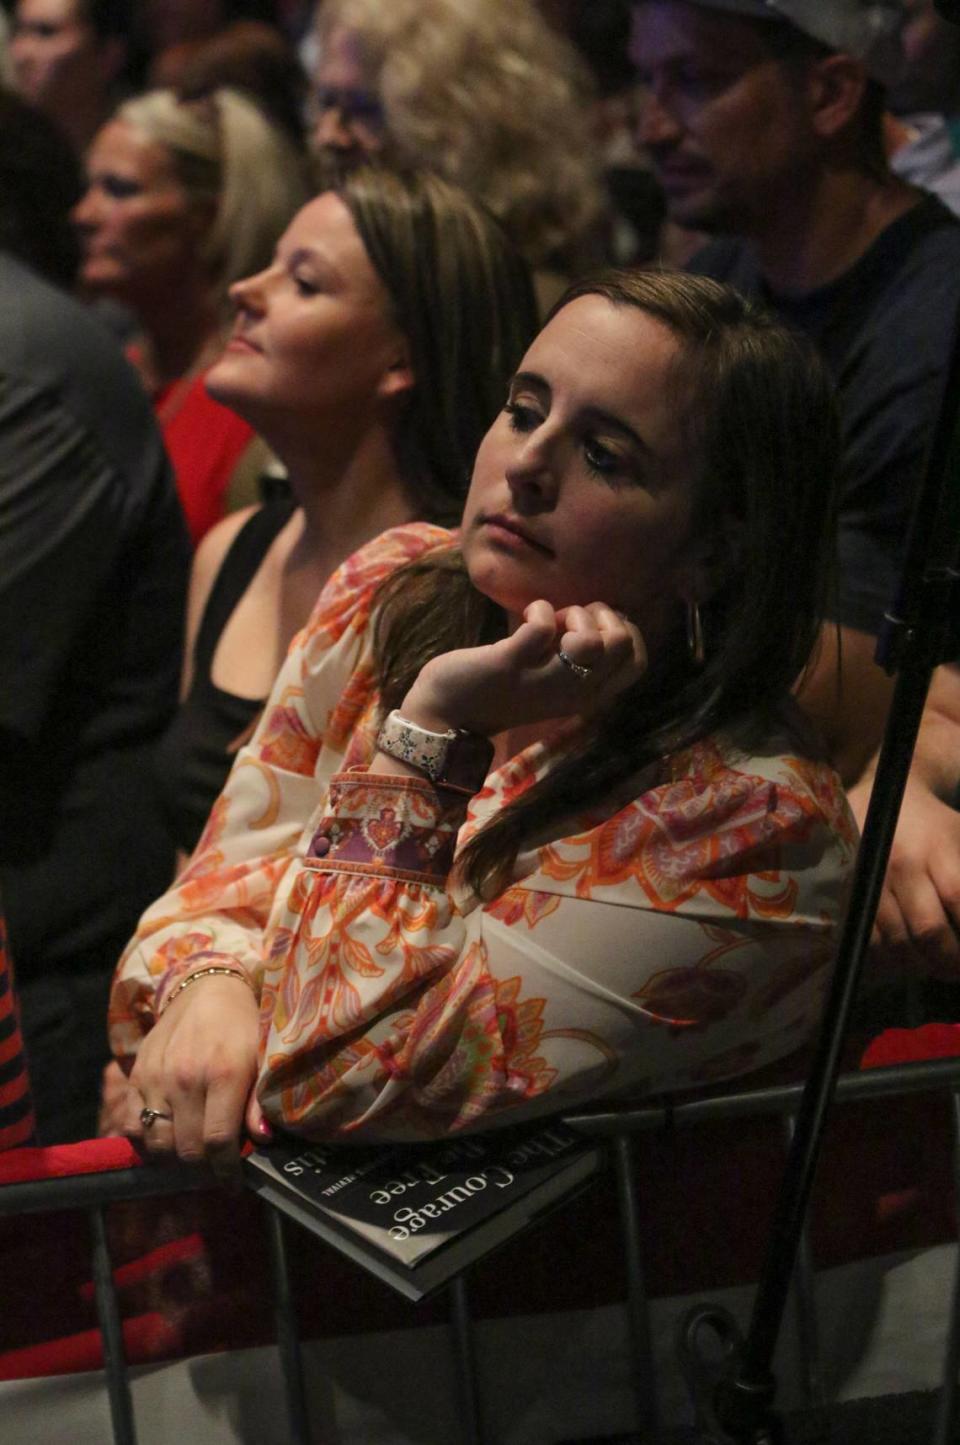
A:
x: 183, y: 199
x: 215, y: 453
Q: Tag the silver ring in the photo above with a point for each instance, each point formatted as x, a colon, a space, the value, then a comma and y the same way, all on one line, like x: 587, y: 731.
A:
x: 147, y: 1117
x: 577, y: 668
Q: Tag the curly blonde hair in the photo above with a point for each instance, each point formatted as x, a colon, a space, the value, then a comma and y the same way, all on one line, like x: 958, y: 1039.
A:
x: 488, y: 95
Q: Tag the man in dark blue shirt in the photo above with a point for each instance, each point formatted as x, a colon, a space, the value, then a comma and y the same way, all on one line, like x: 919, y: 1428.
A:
x: 764, y: 125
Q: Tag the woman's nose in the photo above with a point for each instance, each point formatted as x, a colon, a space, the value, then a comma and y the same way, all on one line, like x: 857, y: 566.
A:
x: 532, y: 474
x: 84, y: 213
x: 247, y: 294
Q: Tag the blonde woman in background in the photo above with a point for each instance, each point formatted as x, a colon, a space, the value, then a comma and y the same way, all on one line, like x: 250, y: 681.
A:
x: 484, y: 92
x: 183, y: 199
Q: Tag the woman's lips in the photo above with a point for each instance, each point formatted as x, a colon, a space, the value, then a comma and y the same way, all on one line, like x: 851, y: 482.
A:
x: 510, y: 532
x: 239, y: 342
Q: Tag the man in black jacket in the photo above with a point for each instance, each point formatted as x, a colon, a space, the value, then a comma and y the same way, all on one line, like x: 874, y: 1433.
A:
x: 93, y: 570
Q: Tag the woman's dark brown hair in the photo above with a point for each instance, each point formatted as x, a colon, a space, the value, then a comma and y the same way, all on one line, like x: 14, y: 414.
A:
x: 758, y: 412
x: 462, y: 296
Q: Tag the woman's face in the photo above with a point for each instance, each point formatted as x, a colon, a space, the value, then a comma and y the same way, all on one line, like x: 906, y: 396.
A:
x: 583, y: 489
x: 314, y: 340
x: 139, y: 228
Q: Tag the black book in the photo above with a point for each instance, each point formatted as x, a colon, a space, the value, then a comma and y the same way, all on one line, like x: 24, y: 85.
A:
x: 415, y: 1215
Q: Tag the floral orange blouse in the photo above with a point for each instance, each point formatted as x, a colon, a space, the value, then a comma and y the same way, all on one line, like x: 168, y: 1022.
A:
x: 681, y: 938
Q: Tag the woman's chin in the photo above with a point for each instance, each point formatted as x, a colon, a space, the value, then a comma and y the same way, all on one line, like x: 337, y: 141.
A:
x: 511, y: 599
x: 225, y: 387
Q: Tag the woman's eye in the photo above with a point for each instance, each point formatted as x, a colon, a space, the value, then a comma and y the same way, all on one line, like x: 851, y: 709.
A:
x: 304, y: 286
x: 522, y: 418
x: 601, y: 460
x: 120, y: 188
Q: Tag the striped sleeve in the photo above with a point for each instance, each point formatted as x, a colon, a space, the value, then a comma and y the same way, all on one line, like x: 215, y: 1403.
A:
x: 16, y: 1109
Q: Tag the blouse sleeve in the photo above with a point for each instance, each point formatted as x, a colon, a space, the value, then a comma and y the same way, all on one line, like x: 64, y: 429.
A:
x: 218, y: 910
x: 685, y: 938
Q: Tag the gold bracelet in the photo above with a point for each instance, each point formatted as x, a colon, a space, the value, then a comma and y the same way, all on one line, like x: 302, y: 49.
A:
x: 210, y: 972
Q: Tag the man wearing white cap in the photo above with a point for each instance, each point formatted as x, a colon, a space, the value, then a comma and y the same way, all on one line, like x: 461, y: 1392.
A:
x: 764, y: 125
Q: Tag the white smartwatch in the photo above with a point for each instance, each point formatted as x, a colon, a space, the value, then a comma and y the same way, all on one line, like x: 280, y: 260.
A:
x: 457, y: 758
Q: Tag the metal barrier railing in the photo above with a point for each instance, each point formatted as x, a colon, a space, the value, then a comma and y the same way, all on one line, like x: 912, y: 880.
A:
x: 620, y: 1124
x: 91, y: 1193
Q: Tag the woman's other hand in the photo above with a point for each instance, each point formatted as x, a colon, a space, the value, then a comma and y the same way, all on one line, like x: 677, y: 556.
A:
x: 198, y: 1065
x: 523, y: 679
x: 917, y: 928
x: 115, y: 1092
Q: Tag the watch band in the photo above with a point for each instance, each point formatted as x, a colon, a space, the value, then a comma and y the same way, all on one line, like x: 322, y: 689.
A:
x: 454, y: 758
x: 419, y: 747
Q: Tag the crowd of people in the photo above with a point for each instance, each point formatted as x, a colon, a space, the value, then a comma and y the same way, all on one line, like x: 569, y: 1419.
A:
x: 456, y: 459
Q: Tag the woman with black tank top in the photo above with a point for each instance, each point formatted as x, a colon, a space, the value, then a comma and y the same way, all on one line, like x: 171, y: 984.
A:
x: 372, y: 355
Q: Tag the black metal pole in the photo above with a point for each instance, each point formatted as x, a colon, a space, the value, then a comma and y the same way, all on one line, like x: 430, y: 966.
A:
x: 744, y: 1401
x: 111, y: 1329
x: 288, y: 1333
x: 638, y: 1307
x: 913, y: 642
x: 465, y: 1358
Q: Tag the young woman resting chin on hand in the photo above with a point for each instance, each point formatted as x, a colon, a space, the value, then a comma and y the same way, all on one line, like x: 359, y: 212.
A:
x: 528, y: 817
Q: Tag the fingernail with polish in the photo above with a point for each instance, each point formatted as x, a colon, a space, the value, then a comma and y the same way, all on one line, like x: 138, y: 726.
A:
x: 264, y: 1130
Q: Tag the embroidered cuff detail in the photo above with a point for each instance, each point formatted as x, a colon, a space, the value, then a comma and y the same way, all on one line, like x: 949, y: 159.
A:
x: 404, y: 827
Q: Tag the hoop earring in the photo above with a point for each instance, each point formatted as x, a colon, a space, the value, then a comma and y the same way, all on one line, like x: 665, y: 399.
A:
x: 695, y: 633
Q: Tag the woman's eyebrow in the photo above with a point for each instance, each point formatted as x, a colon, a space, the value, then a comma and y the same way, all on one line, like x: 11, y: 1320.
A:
x: 598, y: 416
x: 534, y: 380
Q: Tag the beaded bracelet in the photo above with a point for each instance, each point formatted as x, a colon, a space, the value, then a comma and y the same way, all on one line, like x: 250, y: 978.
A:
x: 214, y: 969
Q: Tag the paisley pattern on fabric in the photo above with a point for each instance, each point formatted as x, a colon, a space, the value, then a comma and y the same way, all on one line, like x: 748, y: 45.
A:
x: 715, y: 831
x: 353, y: 702
x: 678, y: 938
x: 205, y: 850
x: 520, y: 905
x: 284, y: 742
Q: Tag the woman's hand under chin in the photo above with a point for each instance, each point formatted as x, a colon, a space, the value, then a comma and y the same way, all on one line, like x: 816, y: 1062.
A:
x: 523, y: 679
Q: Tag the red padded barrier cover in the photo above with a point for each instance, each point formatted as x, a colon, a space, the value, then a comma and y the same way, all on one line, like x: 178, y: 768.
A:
x: 60, y: 1161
